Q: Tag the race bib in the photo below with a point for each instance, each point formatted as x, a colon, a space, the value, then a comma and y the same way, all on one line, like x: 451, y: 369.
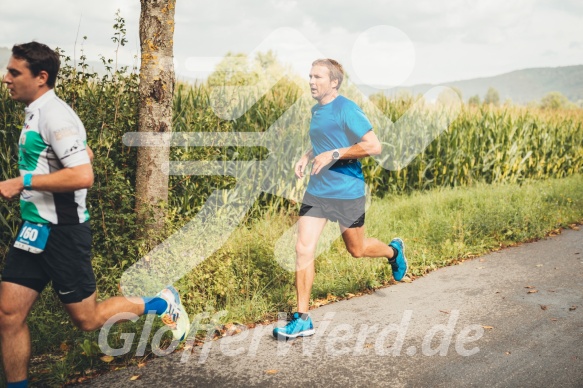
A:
x: 32, y: 237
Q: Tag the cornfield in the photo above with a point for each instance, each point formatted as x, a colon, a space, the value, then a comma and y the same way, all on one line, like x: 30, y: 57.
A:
x: 493, y: 145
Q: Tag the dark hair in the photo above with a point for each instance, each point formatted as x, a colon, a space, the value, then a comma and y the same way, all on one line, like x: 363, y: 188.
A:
x: 336, y: 69
x: 39, y: 57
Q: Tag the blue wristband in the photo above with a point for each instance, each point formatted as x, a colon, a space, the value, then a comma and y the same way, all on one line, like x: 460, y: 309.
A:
x: 28, y: 181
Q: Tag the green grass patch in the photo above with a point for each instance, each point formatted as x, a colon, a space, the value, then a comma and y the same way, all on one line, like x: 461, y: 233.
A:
x: 439, y: 227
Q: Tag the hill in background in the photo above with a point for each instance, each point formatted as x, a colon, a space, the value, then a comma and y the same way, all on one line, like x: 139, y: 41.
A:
x: 520, y: 86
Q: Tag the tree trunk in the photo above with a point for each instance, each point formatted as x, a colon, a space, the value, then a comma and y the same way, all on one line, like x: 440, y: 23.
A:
x: 156, y: 92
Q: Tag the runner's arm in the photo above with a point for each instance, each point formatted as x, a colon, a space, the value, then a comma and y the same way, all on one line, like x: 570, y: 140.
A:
x: 62, y: 181
x: 90, y: 153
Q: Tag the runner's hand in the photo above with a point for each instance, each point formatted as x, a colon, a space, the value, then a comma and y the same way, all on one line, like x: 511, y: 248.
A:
x: 321, y: 161
x: 11, y: 188
x: 301, y: 166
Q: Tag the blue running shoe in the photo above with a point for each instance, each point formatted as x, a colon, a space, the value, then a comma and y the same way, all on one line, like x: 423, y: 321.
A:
x: 297, y: 327
x: 398, y: 263
x: 175, y: 316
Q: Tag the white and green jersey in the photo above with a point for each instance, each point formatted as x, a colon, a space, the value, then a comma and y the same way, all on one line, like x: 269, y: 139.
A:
x: 52, y: 138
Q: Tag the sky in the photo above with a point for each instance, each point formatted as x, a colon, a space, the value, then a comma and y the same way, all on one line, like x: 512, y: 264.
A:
x: 383, y: 43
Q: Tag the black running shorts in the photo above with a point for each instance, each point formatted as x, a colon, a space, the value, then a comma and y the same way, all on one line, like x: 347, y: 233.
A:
x: 348, y: 212
x: 66, y: 261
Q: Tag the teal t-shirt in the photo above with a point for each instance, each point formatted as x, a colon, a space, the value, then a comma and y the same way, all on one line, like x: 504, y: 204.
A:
x: 338, y: 124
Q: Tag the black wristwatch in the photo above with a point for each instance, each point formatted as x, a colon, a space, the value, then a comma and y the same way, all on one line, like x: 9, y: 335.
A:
x: 335, y: 154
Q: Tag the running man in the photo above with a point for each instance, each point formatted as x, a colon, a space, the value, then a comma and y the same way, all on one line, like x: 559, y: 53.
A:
x: 54, y: 241
x: 340, y: 134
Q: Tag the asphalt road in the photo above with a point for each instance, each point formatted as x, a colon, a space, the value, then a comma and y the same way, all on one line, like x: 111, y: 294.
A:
x: 513, y: 318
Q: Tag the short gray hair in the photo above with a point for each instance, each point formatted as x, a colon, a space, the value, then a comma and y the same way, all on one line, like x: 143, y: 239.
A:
x: 336, y: 69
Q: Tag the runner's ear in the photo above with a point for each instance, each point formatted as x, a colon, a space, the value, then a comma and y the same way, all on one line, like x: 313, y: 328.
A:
x: 334, y: 84
x: 42, y: 78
